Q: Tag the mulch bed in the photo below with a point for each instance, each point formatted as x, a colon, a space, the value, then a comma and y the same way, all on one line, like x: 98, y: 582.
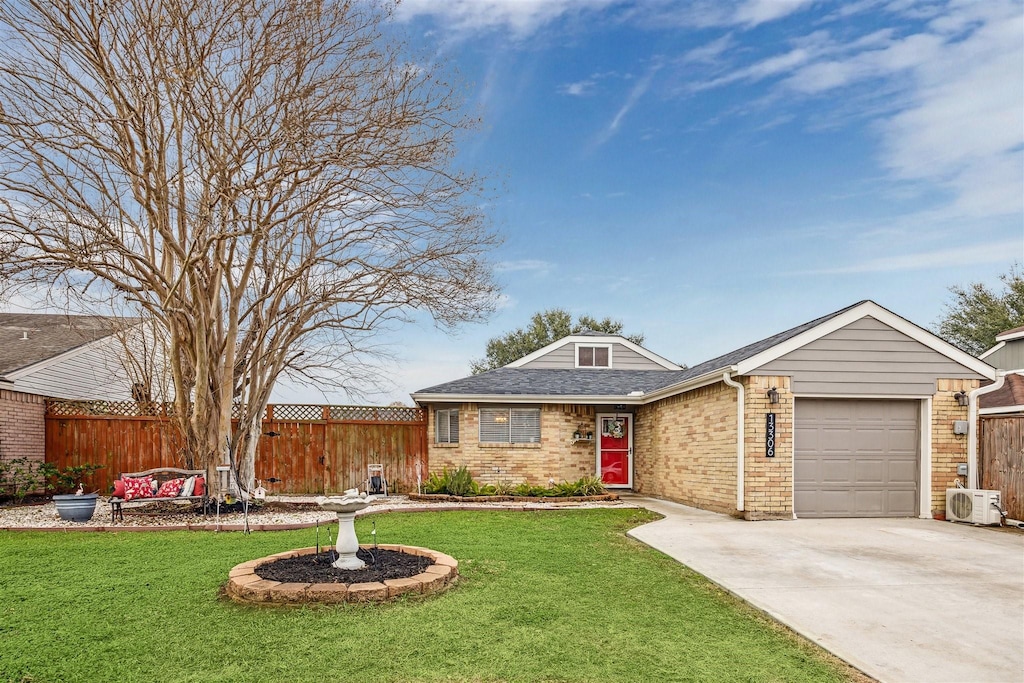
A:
x: 380, y: 566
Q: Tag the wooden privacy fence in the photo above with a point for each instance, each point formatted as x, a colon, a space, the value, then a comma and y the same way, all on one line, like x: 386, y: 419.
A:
x: 1001, y: 459
x: 316, y: 449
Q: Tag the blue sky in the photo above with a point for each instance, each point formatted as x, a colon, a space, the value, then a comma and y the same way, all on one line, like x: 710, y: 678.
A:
x: 712, y: 173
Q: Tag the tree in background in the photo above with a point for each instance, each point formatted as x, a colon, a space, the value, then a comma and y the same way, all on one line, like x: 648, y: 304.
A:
x: 977, y: 314
x: 271, y: 182
x: 544, y: 328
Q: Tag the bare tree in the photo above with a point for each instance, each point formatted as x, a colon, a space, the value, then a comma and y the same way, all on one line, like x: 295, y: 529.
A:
x: 270, y: 181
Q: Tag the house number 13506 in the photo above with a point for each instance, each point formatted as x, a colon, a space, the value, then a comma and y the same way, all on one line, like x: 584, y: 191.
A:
x: 769, y: 436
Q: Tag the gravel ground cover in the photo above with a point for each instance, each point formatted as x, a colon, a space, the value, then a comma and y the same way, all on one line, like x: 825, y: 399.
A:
x: 279, y: 510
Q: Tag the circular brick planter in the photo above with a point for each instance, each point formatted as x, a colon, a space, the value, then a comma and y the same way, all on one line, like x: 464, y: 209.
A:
x: 244, y: 585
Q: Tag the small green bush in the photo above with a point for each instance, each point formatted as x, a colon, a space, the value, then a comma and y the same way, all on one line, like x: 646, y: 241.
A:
x: 68, y: 479
x: 453, y: 483
x: 21, y: 476
x: 503, y: 488
x: 460, y: 483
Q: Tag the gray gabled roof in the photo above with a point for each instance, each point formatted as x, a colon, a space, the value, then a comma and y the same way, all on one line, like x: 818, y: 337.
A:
x: 557, y: 382
x: 29, y: 338
x: 584, y: 382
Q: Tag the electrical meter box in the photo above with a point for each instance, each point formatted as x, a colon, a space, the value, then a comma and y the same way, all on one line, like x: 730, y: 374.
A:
x: 961, y: 469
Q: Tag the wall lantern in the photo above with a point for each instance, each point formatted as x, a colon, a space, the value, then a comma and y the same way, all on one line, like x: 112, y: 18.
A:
x: 773, y: 395
x: 961, y: 398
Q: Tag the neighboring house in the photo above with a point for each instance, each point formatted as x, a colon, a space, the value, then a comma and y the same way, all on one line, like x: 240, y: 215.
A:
x: 54, y: 356
x: 848, y: 415
x: 1007, y: 394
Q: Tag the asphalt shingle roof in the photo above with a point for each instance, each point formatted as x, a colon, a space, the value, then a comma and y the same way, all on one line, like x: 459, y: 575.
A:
x: 48, y: 335
x: 591, y: 382
x: 557, y: 382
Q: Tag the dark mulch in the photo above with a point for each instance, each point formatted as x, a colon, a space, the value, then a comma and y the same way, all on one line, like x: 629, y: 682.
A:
x: 380, y: 565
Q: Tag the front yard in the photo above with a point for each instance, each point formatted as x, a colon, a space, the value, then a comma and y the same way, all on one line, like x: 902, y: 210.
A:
x: 544, y: 596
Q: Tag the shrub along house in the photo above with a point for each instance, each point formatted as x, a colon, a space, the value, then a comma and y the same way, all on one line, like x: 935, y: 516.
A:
x: 849, y: 415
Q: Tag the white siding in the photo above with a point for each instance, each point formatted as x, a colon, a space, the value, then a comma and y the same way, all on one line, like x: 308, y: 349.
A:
x: 94, y: 372
x: 1010, y: 357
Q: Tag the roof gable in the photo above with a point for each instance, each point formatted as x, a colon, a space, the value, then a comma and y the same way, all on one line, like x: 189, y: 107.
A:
x: 591, y: 337
x: 829, y: 324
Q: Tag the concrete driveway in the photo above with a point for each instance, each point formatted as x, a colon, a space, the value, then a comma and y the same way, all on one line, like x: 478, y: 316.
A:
x: 900, y: 599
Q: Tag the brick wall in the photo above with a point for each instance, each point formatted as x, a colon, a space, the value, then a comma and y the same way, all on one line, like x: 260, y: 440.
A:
x: 555, y: 457
x: 948, y: 449
x: 685, y: 448
x: 22, y: 425
x: 768, y: 482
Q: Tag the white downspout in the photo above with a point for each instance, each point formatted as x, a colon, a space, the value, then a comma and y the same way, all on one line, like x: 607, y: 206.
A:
x: 972, y: 427
x: 740, y: 429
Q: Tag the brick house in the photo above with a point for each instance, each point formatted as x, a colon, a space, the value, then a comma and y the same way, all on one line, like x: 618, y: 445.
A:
x: 53, y: 356
x: 848, y: 415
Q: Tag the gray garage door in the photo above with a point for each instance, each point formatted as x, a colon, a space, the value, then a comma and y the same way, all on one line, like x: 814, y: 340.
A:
x: 856, y: 458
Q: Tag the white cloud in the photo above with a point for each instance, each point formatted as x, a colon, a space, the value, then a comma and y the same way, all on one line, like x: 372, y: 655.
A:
x: 709, y: 53
x: 1001, y: 252
x: 965, y: 127
x: 579, y: 88
x: 534, y: 265
x: 755, y: 12
x: 638, y: 90
x: 521, y: 17
x: 946, y: 101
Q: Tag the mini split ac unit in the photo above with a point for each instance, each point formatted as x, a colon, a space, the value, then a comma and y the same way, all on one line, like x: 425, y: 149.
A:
x: 974, y: 506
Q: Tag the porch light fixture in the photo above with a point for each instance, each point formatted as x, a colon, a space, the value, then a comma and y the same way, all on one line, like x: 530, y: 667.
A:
x: 773, y: 395
x: 961, y: 398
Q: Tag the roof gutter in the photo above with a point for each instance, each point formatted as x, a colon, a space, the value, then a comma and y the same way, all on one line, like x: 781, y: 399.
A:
x: 972, y: 427
x: 740, y: 429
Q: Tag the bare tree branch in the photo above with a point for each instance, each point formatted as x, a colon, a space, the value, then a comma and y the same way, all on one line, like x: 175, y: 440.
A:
x: 258, y: 177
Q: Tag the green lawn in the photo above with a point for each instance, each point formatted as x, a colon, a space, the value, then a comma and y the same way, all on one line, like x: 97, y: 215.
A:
x: 544, y: 596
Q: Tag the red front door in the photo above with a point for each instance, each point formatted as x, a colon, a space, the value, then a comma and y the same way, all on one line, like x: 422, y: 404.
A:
x: 615, y: 449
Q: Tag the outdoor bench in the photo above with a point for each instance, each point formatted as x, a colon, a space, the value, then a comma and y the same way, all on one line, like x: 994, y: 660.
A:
x: 133, y: 490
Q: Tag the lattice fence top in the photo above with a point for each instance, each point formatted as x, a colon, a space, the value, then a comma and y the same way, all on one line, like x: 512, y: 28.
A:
x: 279, y: 412
x: 108, y: 408
x: 376, y: 413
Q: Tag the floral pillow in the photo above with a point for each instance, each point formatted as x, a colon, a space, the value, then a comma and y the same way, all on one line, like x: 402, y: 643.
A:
x: 141, y: 487
x: 170, y: 488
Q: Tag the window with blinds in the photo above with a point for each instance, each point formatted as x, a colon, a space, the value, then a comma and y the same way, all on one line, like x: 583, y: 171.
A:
x: 510, y: 425
x: 446, y: 426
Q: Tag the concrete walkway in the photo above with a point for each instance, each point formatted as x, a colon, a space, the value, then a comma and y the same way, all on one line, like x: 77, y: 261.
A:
x: 900, y: 599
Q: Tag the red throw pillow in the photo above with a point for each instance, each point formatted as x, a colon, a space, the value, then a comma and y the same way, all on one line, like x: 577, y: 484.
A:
x: 170, y: 488
x: 138, y: 488
x: 118, y: 489
x: 200, y: 488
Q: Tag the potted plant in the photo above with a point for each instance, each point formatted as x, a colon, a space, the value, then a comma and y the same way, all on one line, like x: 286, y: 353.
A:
x: 78, y: 506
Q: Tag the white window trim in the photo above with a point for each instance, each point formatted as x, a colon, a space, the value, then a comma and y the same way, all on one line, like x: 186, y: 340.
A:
x: 448, y: 416
x: 580, y: 345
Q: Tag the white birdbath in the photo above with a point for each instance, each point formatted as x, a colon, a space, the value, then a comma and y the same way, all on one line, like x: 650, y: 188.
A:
x: 346, y: 506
